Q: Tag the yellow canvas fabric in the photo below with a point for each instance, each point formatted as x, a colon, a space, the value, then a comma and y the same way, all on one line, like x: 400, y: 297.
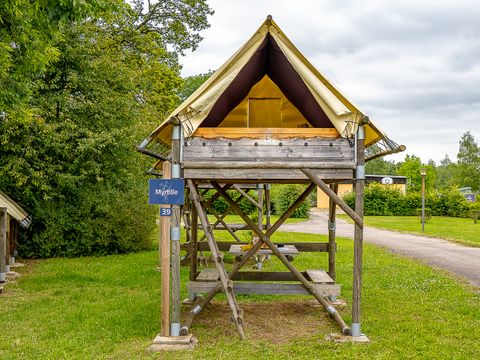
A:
x: 341, y: 112
x: 276, y: 107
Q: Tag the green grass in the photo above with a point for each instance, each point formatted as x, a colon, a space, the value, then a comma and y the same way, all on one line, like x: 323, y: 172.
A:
x: 463, y: 231
x: 108, y: 308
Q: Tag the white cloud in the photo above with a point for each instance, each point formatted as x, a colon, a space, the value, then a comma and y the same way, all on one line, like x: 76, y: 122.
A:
x: 413, y: 66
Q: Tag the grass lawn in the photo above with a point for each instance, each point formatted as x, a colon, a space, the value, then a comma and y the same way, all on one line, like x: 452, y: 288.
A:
x: 463, y: 231
x: 108, y: 308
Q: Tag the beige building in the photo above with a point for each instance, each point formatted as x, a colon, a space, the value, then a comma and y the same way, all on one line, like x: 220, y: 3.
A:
x: 395, y: 182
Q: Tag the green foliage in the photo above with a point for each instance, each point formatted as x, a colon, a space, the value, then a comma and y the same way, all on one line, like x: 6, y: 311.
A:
x: 285, y: 195
x: 380, y: 166
x: 220, y: 205
x: 411, y: 169
x: 66, y: 146
x: 383, y: 201
x: 428, y: 214
x: 192, y: 83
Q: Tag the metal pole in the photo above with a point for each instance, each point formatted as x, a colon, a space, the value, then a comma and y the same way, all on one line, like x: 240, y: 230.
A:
x: 423, y: 202
x: 358, y: 233
x: 175, y: 234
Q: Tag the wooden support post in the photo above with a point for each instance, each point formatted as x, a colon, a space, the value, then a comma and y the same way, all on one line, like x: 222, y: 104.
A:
x: 268, y: 205
x: 225, y: 225
x: 332, y: 207
x: 8, y: 244
x: 248, y: 197
x: 260, y: 208
x: 165, y: 261
x: 193, y: 242
x: 224, y: 282
x: 337, y: 199
x: 3, y: 244
x: 175, y: 235
x: 321, y: 299
x: 237, y: 266
x: 358, y: 233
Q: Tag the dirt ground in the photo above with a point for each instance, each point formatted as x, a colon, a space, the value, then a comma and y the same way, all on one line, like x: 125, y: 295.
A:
x: 274, y: 321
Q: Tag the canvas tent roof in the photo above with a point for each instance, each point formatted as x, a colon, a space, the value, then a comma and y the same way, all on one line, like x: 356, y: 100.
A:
x: 269, y: 53
x: 14, y: 210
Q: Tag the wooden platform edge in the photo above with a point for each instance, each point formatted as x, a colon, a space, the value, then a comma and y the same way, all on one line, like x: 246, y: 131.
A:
x: 266, y: 288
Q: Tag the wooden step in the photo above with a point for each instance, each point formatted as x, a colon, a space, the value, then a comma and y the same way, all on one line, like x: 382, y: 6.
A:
x: 262, y: 288
x: 319, y: 277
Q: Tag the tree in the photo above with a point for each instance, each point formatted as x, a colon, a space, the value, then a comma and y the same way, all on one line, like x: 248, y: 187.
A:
x: 411, y: 169
x: 67, y: 155
x: 192, y: 83
x: 468, y: 169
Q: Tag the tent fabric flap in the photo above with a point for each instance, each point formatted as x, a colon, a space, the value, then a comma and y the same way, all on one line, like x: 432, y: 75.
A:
x: 14, y: 210
x: 267, y: 53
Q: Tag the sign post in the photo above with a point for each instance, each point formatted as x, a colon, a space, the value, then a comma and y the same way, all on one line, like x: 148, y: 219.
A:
x: 165, y: 192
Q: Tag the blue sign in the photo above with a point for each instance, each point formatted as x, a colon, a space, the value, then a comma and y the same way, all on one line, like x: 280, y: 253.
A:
x: 470, y: 197
x: 166, y: 191
x: 166, y: 211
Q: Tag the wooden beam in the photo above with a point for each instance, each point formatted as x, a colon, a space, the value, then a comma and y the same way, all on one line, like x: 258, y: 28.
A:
x: 268, y: 289
x: 332, y: 245
x: 337, y: 199
x: 224, y: 282
x: 3, y: 243
x: 265, y: 239
x: 262, y: 133
x: 237, y: 266
x: 272, y: 176
x: 300, y: 246
x: 277, y: 164
x: 165, y: 261
x: 246, y: 196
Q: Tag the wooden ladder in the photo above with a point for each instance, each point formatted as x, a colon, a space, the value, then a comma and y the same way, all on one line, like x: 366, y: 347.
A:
x: 226, y: 283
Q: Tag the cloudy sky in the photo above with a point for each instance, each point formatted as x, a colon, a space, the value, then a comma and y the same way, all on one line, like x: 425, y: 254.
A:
x: 413, y: 66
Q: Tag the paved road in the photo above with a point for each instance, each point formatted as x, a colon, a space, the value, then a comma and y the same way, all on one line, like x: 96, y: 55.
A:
x: 460, y: 260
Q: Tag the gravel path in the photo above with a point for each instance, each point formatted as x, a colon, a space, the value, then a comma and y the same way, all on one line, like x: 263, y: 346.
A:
x: 458, y: 259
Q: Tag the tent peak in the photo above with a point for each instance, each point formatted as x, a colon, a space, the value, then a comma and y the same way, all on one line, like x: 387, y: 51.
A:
x: 269, y: 20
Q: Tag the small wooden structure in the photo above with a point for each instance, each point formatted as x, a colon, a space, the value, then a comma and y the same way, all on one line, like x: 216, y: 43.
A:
x: 12, y: 216
x: 267, y: 116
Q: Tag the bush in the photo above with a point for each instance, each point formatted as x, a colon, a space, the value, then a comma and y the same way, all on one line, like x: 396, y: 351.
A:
x: 285, y: 195
x: 383, y: 201
x: 95, y: 222
x: 220, y: 205
x: 428, y: 214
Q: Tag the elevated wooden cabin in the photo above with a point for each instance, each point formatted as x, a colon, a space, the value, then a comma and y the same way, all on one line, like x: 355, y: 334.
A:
x: 266, y: 116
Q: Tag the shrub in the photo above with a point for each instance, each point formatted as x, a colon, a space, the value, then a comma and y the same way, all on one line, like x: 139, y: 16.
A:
x: 220, y: 205
x: 380, y: 201
x: 428, y: 214
x: 285, y: 195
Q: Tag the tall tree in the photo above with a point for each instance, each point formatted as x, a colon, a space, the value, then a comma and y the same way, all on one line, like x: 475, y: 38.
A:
x: 69, y: 160
x: 411, y: 169
x: 468, y: 169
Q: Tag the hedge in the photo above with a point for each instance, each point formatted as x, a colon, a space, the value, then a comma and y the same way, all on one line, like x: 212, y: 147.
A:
x: 383, y: 201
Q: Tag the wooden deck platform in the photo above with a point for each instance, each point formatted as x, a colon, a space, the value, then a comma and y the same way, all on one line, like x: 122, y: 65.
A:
x: 267, y: 283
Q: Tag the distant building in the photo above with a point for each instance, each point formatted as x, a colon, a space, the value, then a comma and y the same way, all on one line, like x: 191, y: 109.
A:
x: 468, y: 193
x: 390, y: 181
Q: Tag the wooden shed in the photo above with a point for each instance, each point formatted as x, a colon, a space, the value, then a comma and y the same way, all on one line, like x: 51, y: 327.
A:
x: 267, y: 116
x: 12, y: 217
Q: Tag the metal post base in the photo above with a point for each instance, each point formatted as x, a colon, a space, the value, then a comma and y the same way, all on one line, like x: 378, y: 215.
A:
x: 356, y: 329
